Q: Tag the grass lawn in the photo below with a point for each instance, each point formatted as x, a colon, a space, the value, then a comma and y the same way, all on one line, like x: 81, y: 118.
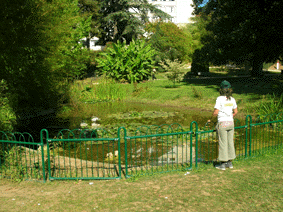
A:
x: 255, y: 184
x: 250, y: 93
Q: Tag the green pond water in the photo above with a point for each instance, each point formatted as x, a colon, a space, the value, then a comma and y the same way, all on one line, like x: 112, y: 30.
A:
x: 130, y: 114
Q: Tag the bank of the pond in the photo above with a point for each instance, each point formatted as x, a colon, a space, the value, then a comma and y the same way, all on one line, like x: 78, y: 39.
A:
x: 193, y: 103
x: 158, y: 102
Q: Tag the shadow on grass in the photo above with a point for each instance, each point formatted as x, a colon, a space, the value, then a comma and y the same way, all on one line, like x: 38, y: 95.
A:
x: 172, y: 86
x: 244, y: 85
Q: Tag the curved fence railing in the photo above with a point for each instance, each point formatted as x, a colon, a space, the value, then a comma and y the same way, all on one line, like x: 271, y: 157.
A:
x: 21, y: 157
x: 98, y: 154
x: 162, y: 149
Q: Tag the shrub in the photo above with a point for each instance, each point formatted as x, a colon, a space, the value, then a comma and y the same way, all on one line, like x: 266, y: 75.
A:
x: 131, y: 63
x: 271, y: 105
x: 7, y: 115
x: 19, y: 163
x: 174, y: 68
x: 197, y: 93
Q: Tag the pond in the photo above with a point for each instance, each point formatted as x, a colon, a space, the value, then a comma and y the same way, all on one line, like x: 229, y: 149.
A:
x: 132, y: 114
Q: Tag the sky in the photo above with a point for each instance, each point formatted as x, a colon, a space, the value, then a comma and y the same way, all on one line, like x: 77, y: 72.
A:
x: 204, y: 3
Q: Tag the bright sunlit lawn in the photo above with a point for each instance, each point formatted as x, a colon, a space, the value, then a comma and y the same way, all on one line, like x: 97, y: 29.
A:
x: 255, y: 184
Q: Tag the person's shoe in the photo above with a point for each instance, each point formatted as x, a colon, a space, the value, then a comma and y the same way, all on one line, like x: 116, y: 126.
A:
x: 229, y: 165
x: 221, y: 166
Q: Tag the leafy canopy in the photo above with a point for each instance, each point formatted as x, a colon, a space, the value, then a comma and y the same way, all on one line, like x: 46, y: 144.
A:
x: 170, y: 41
x: 244, y: 30
x: 125, y: 19
x: 40, y: 53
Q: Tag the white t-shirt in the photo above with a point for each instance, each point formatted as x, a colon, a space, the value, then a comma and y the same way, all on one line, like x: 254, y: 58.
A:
x: 225, y: 108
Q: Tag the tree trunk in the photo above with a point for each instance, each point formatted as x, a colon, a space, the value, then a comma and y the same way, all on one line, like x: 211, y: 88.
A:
x: 247, y: 65
x: 257, y: 66
x: 88, y: 42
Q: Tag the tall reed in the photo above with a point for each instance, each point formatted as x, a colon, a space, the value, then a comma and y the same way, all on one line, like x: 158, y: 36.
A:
x: 270, y: 104
x: 103, y: 89
x: 108, y: 89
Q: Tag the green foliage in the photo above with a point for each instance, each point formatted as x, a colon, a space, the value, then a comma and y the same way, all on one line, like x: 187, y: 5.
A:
x: 17, y: 163
x: 40, y: 51
x: 104, y: 89
x: 175, y: 69
x: 197, y: 92
x: 267, y: 65
x: 62, y: 27
x: 243, y: 31
x: 108, y: 89
x: 125, y: 19
x: 200, y: 63
x: 7, y: 115
x: 197, y: 30
x: 91, y: 8
x: 128, y: 63
x: 170, y: 41
x: 201, y: 37
x: 270, y: 105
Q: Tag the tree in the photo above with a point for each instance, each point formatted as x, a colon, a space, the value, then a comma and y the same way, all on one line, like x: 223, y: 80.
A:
x: 40, y: 51
x: 170, y: 41
x: 175, y: 70
x: 91, y: 9
x: 197, y: 30
x: 244, y: 31
x: 125, y: 19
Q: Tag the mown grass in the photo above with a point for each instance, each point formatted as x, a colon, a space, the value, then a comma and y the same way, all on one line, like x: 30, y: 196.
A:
x: 255, y: 184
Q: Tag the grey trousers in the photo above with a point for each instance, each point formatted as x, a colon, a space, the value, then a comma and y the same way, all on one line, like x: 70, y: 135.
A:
x: 225, y: 131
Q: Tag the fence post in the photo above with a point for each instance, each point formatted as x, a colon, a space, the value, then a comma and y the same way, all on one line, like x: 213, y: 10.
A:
x: 119, y: 144
x: 48, y: 154
x: 248, y: 128
x: 196, y: 144
x: 42, y: 152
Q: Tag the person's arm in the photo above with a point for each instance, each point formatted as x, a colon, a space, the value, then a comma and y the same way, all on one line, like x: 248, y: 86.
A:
x: 235, y: 111
x: 215, y: 113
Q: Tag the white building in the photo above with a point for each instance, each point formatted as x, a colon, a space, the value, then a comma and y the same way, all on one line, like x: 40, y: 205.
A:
x: 92, y: 43
x: 180, y: 10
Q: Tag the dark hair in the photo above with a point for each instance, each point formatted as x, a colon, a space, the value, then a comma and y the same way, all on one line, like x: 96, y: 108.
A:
x: 226, y: 92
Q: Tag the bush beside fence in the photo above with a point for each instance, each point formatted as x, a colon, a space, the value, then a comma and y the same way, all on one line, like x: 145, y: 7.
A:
x: 95, y: 154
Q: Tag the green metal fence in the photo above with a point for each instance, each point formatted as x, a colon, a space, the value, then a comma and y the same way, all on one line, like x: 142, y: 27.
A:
x: 21, y: 157
x: 265, y: 133
x: 82, y: 154
x: 98, y: 154
x: 158, y: 149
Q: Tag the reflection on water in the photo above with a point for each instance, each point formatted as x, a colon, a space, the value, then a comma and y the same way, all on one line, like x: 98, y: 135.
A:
x: 140, y: 152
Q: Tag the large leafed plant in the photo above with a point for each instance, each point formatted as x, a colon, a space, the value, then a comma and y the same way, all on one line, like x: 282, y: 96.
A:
x: 131, y: 63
